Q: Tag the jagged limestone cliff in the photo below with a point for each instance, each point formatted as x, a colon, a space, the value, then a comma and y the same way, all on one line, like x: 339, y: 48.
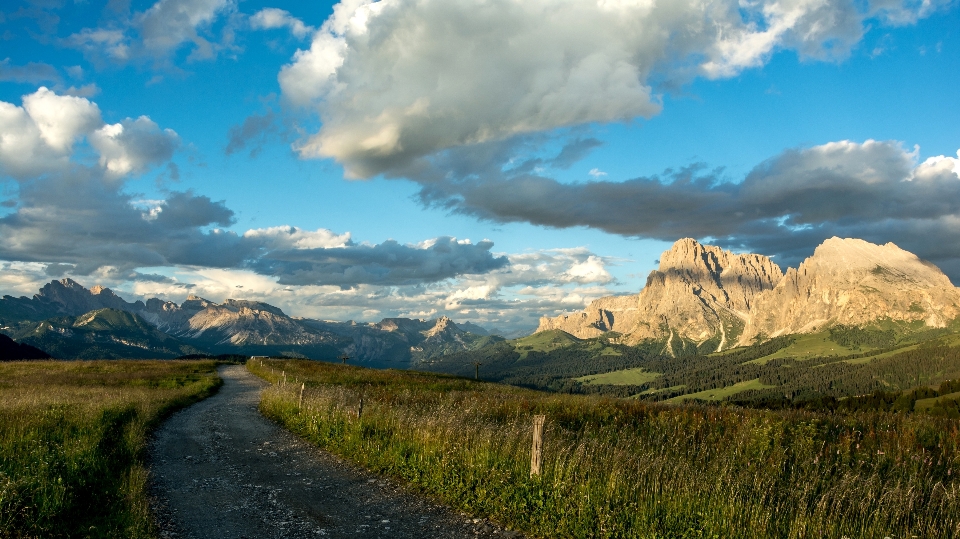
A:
x: 715, y: 299
x: 612, y: 313
x: 854, y: 282
x: 700, y: 294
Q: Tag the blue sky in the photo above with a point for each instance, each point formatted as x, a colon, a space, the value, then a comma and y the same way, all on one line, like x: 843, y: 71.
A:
x: 336, y: 165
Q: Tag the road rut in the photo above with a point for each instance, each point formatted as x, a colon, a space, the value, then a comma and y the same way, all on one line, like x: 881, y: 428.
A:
x: 220, y: 469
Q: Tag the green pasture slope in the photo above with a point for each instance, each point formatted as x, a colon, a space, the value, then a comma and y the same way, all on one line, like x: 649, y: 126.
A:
x: 838, y: 363
x: 72, y: 440
x: 626, y: 377
x: 723, y: 392
x: 622, y: 468
x: 545, y: 341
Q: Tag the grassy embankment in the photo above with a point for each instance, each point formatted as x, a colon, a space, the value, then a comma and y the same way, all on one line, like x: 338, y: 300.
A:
x: 622, y: 468
x: 72, y: 442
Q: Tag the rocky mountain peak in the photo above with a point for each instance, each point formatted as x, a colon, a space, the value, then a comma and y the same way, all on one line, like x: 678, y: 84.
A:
x: 57, y: 289
x: 730, y: 277
x: 854, y: 282
x: 442, y: 325
x: 688, y: 254
x: 195, y: 303
x: 699, y: 293
x: 255, y: 306
x: 854, y: 257
x: 70, y: 297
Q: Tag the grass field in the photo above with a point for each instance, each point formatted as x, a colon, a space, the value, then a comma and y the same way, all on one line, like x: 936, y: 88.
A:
x: 626, y: 377
x: 543, y: 341
x: 926, y: 404
x: 654, y: 391
x: 72, y: 440
x: 620, y: 468
x: 809, y: 346
x: 721, y: 393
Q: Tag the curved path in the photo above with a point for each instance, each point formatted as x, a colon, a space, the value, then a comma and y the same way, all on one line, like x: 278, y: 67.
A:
x: 221, y: 470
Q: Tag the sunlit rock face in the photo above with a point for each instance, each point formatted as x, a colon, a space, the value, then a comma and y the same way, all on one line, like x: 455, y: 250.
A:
x: 854, y: 282
x: 700, y: 293
x: 717, y: 299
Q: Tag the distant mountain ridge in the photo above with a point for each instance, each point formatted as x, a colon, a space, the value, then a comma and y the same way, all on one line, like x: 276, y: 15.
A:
x: 711, y: 299
x: 235, y: 326
x: 100, y: 334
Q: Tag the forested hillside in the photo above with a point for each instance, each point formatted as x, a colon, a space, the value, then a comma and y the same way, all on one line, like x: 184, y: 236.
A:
x: 776, y: 372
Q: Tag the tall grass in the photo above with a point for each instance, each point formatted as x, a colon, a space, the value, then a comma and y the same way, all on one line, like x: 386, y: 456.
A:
x: 617, y: 468
x: 72, y: 440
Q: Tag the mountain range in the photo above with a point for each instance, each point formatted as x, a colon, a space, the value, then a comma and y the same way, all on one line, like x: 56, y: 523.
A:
x: 69, y: 321
x: 706, y: 299
x: 702, y: 299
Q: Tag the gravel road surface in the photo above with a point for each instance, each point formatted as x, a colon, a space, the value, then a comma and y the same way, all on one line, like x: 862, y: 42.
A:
x: 220, y: 469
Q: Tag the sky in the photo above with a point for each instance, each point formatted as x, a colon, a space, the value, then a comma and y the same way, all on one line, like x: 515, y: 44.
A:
x: 493, y: 161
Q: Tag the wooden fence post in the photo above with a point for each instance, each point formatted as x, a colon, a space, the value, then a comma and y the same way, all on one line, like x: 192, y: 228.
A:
x: 302, y: 387
x: 536, y: 454
x: 360, y: 408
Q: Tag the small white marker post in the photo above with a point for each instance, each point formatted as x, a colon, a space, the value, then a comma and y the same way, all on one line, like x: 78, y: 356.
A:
x: 302, y: 387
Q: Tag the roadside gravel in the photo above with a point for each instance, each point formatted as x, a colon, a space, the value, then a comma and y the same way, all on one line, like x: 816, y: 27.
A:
x: 220, y: 469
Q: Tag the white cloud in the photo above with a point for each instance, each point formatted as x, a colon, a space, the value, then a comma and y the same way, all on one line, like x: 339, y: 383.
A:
x: 61, y: 119
x: 22, y: 278
x: 938, y: 166
x: 133, y: 145
x: 596, y: 173
x: 396, y: 80
x: 110, y: 43
x: 170, y: 23
x: 156, y: 33
x: 22, y: 150
x: 509, y: 298
x: 591, y: 270
x: 33, y: 72
x: 534, y: 284
x: 291, y: 237
x: 39, y: 136
x: 272, y: 18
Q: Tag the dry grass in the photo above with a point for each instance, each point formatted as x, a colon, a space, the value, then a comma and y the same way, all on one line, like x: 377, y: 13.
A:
x: 72, y: 437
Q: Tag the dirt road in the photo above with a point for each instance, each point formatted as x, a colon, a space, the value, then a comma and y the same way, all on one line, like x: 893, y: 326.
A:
x: 219, y: 469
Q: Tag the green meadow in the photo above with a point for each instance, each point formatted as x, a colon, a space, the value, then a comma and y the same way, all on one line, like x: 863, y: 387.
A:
x: 72, y: 439
x: 625, y: 377
x: 723, y: 392
x: 622, y: 468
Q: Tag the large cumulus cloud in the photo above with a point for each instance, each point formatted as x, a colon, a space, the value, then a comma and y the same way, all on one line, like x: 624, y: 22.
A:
x: 397, y: 80
x: 464, y: 97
